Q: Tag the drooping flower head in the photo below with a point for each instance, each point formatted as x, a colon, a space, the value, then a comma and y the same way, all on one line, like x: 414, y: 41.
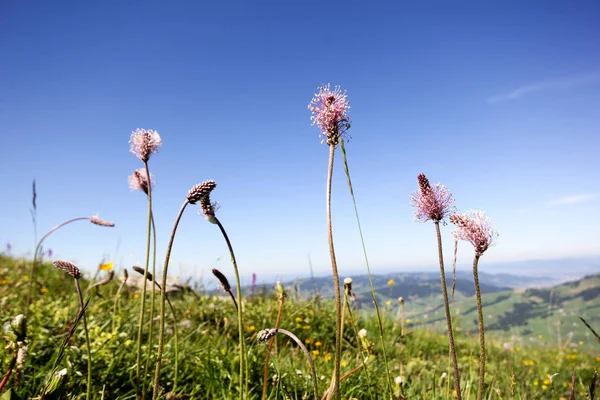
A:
x: 96, y: 220
x: 201, y: 190
x: 431, y: 202
x: 222, y: 279
x: 144, y: 142
x: 329, y: 112
x: 139, y: 180
x: 474, y: 227
x: 69, y: 267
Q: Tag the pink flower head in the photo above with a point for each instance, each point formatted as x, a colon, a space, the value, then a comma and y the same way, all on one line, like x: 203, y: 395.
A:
x: 474, y: 227
x: 144, y: 142
x: 431, y: 202
x: 139, y: 180
x: 329, y: 108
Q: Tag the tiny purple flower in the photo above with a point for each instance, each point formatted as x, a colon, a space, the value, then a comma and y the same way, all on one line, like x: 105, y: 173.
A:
x: 431, y: 202
x: 474, y: 227
x: 8, y: 247
x: 144, y: 142
x: 329, y: 108
x: 49, y: 252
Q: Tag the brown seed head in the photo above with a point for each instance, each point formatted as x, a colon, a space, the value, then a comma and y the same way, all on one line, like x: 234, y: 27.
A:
x: 99, y: 221
x: 201, y: 190
x: 69, y: 267
x: 140, y: 271
x: 223, y: 279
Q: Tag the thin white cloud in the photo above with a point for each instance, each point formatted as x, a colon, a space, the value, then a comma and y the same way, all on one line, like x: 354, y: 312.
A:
x: 574, y: 199
x: 556, y: 84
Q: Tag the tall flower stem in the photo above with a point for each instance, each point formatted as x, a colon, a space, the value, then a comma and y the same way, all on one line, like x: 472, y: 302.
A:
x: 242, y: 343
x: 447, y: 311
x: 37, y: 252
x: 481, y: 328
x: 152, y: 306
x: 266, y: 367
x: 140, y: 381
x: 163, y: 293
x: 336, y: 282
x: 87, y: 341
x: 362, y: 240
x: 116, y: 305
x: 344, y: 304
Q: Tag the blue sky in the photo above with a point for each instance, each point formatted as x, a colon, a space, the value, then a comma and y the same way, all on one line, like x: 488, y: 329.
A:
x: 499, y: 102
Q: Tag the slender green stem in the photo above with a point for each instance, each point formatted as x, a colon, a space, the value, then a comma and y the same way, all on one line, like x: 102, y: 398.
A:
x: 307, y: 355
x: 239, y: 309
x: 271, y: 341
x: 401, y: 337
x: 163, y: 293
x: 364, y: 364
x: 362, y: 240
x: 447, y: 311
x: 336, y: 282
x: 481, y: 328
x: 87, y: 341
x: 344, y: 303
x: 141, y: 382
x: 116, y: 305
x: 35, y: 258
x: 152, y: 305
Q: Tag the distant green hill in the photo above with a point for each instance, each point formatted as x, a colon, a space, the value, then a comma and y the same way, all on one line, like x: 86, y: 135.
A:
x: 539, y: 315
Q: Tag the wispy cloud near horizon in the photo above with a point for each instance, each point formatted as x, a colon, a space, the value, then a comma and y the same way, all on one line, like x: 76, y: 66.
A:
x: 573, y: 199
x: 555, y: 84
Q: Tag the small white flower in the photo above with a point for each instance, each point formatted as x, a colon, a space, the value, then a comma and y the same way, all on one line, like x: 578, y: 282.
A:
x: 444, y: 375
x: 398, y: 380
x: 362, y: 333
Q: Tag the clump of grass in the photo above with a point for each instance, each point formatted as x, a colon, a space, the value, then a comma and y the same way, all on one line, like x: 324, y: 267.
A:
x: 267, y: 334
x: 280, y: 295
x: 72, y: 270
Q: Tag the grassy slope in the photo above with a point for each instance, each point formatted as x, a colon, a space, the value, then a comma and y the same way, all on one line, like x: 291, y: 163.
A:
x: 208, y: 356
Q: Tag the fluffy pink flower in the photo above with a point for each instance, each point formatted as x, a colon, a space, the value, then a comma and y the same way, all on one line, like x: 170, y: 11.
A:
x: 474, y: 227
x: 329, y: 109
x: 144, y: 142
x: 431, y: 202
x: 139, y: 180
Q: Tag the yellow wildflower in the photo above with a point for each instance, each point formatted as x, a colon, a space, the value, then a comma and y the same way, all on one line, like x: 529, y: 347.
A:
x: 106, y: 267
x: 391, y: 282
x: 318, y: 344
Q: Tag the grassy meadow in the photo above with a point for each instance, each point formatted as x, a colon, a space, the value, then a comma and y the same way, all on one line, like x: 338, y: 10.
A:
x: 208, y: 352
